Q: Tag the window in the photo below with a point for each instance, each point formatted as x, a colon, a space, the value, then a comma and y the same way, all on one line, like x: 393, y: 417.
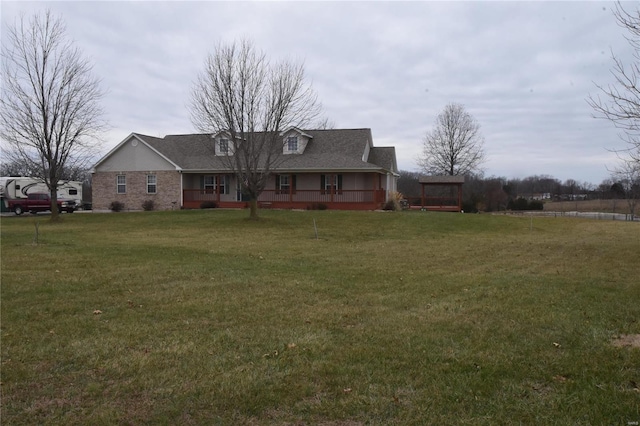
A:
x: 223, y: 146
x: 331, y: 184
x: 151, y: 184
x: 284, y: 183
x: 223, y: 185
x: 73, y: 192
x: 292, y: 144
x: 210, y: 183
x: 121, y: 184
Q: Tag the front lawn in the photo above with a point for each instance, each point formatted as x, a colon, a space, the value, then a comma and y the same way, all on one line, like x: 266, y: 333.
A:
x: 204, y: 317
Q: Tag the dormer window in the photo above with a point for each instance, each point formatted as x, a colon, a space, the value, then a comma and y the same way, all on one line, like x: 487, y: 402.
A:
x: 292, y: 144
x: 223, y: 146
x: 294, y: 141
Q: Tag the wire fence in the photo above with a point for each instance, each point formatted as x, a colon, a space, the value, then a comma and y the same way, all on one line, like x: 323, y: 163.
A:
x: 584, y: 215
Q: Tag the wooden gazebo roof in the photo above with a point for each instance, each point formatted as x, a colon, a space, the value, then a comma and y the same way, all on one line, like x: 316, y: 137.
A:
x: 441, y: 180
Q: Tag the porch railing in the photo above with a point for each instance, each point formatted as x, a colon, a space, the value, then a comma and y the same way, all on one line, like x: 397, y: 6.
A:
x: 199, y: 195
x: 297, y: 196
x: 318, y: 196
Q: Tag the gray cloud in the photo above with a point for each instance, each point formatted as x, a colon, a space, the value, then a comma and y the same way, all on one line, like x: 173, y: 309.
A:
x: 523, y: 70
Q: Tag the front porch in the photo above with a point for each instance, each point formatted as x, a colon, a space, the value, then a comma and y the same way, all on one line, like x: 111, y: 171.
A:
x: 339, y: 191
x: 306, y: 199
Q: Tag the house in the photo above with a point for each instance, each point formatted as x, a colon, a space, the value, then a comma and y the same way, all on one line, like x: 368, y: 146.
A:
x: 335, y: 169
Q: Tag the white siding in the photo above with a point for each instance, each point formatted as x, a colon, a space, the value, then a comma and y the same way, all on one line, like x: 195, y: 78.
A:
x: 132, y: 156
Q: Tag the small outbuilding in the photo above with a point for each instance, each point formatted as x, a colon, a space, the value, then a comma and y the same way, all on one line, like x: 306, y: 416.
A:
x: 442, y: 193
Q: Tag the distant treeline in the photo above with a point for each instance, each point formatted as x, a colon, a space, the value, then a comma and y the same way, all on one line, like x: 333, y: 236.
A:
x: 481, y: 193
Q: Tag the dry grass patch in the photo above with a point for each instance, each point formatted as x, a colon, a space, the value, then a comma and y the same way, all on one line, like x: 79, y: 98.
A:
x: 628, y: 340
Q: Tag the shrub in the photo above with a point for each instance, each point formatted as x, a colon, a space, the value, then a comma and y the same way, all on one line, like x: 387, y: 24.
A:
x: 116, y: 206
x: 208, y: 205
x: 469, y: 207
x: 536, y: 205
x: 395, y: 202
x: 317, y: 206
x: 390, y: 205
x: 148, y: 205
x: 522, y: 204
x: 518, y: 204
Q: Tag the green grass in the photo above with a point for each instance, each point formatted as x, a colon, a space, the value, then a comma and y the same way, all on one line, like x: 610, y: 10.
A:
x: 386, y: 319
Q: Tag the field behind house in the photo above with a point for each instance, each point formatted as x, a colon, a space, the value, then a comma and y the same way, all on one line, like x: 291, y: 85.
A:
x: 602, y: 206
x: 412, y: 318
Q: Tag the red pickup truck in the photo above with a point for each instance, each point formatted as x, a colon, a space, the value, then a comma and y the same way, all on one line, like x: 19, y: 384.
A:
x: 38, y: 202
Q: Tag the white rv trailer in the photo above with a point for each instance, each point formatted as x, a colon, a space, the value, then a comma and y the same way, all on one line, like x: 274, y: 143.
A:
x: 20, y: 187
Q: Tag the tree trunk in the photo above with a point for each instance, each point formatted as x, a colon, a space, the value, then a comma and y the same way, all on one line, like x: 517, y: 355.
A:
x: 55, y: 214
x: 253, y: 208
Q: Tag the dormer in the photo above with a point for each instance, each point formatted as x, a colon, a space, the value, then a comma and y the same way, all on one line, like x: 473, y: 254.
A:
x: 294, y: 141
x: 223, y: 145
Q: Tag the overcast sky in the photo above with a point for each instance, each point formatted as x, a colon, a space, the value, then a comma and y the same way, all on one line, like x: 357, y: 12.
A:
x: 523, y: 70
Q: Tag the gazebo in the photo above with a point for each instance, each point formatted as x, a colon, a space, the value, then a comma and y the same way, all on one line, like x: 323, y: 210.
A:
x: 432, y: 200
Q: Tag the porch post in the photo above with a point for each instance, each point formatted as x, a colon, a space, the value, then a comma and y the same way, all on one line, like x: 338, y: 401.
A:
x: 290, y: 188
x: 332, y: 188
x: 181, y: 188
x: 218, y: 177
x: 376, y: 183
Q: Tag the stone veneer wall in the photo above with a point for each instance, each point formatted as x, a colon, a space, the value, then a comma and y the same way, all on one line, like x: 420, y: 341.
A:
x: 167, y: 190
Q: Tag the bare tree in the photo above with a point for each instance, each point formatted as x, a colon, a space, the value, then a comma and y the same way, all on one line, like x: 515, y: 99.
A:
x: 627, y: 177
x: 241, y: 93
x: 620, y: 102
x: 20, y: 168
x: 49, y: 107
x: 454, y: 146
x: 325, y: 124
x: 16, y: 168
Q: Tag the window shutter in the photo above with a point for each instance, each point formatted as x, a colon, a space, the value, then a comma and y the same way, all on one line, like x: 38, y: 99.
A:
x: 293, y: 184
x: 322, y: 184
x: 339, y: 184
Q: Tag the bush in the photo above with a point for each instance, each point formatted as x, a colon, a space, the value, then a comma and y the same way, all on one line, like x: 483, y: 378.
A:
x: 391, y: 205
x: 208, y: 205
x: 536, y: 205
x: 522, y: 204
x: 317, y: 206
x: 518, y: 204
x: 116, y: 206
x: 469, y: 207
x: 148, y: 205
x: 395, y: 202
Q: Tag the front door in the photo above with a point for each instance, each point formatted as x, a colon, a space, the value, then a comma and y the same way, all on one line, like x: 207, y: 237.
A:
x: 240, y: 196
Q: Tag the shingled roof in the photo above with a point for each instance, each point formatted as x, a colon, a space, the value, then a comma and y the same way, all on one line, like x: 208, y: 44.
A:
x: 328, y: 150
